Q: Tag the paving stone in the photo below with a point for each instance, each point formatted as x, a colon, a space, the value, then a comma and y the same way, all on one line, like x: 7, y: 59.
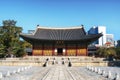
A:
x: 56, y: 72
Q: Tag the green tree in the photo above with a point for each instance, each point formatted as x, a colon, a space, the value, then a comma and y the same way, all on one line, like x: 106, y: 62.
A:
x: 9, y: 38
x: 25, y: 44
x: 117, y: 49
x: 9, y: 23
x: 110, y: 52
x: 106, y: 52
x: 100, y: 52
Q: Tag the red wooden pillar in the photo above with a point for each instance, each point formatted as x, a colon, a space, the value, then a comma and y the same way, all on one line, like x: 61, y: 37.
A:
x: 86, y: 50
x: 42, y: 49
x: 76, y: 49
x: 66, y: 50
x: 53, y: 48
x: 32, y: 49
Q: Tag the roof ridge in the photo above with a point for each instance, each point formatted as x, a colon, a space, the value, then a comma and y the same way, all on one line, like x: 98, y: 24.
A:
x: 79, y: 27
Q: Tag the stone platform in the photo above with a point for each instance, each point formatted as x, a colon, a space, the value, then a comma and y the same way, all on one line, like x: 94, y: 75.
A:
x: 40, y: 60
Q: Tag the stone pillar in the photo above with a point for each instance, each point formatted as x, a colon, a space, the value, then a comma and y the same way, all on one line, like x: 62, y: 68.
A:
x: 1, y: 76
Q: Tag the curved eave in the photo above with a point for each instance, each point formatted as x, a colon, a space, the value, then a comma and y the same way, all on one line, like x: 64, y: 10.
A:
x: 92, y: 37
x: 89, y: 38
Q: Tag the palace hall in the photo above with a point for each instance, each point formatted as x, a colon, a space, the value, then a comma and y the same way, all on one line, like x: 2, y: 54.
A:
x: 71, y: 41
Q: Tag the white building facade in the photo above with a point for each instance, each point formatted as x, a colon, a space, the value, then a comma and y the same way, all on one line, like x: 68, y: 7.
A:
x: 110, y: 39
x: 99, y: 29
x: 106, y: 38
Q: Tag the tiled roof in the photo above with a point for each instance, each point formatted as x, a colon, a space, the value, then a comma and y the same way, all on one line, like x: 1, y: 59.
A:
x: 59, y: 34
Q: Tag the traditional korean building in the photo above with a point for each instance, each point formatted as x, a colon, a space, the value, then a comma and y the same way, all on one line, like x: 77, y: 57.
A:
x: 60, y: 41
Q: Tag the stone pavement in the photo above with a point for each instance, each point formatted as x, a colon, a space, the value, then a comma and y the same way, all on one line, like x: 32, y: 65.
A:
x: 56, y: 72
x: 62, y: 72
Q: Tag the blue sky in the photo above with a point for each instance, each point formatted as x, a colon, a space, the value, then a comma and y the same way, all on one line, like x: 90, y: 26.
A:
x: 63, y: 13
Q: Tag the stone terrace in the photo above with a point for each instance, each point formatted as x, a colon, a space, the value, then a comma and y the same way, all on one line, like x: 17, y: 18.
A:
x: 39, y: 61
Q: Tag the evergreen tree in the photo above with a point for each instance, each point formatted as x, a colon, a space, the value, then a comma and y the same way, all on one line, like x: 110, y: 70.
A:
x: 117, y: 52
x: 106, y: 52
x: 9, y: 38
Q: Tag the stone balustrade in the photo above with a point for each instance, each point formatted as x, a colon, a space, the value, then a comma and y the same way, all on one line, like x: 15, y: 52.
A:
x: 107, y: 74
x: 4, y: 74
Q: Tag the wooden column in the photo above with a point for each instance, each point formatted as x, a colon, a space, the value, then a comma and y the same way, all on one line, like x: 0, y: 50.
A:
x: 66, y: 50
x: 32, y: 49
x: 86, y: 50
x: 53, y: 48
x: 76, y: 49
x: 42, y: 49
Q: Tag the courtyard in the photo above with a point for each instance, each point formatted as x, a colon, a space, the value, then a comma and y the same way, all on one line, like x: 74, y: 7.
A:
x: 58, y: 71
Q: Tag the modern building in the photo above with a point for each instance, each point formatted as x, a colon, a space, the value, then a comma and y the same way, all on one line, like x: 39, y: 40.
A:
x: 100, y: 29
x: 110, y: 40
x: 107, y: 40
x: 60, y: 41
